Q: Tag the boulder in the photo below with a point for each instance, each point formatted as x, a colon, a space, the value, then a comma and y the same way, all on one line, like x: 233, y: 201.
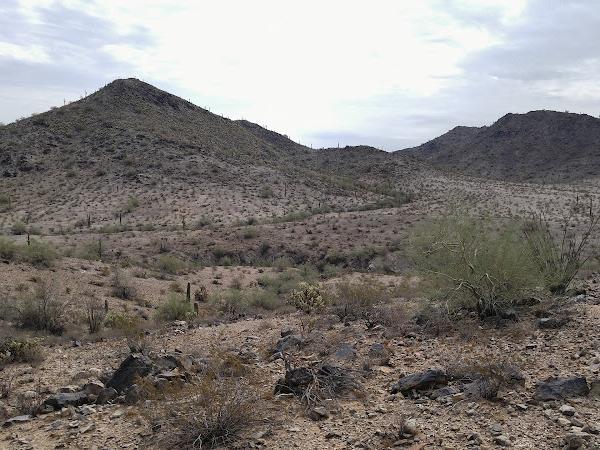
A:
x: 135, y: 366
x: 430, y: 379
x: 63, y: 399
x: 561, y: 388
x: 17, y: 419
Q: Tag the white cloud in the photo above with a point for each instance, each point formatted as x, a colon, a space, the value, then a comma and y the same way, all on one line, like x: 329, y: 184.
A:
x: 30, y: 53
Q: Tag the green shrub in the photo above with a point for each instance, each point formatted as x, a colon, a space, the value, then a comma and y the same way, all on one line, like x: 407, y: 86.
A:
x: 18, y: 228
x: 20, y: 350
x: 8, y: 249
x: 38, y: 253
x: 121, y: 321
x: 308, y: 298
x: 259, y: 298
x: 170, y: 264
x: 175, y: 308
x: 479, y: 267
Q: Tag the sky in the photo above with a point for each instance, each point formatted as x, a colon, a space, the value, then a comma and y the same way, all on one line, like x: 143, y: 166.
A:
x: 392, y: 74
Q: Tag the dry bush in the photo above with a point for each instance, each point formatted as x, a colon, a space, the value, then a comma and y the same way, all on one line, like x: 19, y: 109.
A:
x: 122, y: 286
x: 357, y: 300
x: 94, y: 314
x: 41, y: 310
x: 317, y: 383
x: 484, y: 377
x: 176, y: 307
x: 559, y: 260
x: 392, y: 316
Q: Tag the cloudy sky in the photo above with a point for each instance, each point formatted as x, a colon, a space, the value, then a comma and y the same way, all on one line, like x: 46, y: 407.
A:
x: 386, y: 73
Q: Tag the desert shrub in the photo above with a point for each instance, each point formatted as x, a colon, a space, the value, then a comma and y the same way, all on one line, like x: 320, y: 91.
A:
x: 120, y: 320
x: 5, y: 203
x: 559, y: 260
x: 250, y: 233
x: 356, y: 300
x: 475, y: 265
x: 92, y: 251
x: 203, y: 221
x: 20, y: 350
x: 213, y: 417
x: 7, y: 248
x: 41, y: 310
x: 266, y: 191
x: 122, y: 286
x: 170, y: 264
x: 232, y: 303
x: 308, y: 298
x: 260, y: 298
x: 38, y: 253
x: 132, y: 204
x: 18, y: 228
x: 94, y: 314
x: 175, y: 308
x: 485, y: 377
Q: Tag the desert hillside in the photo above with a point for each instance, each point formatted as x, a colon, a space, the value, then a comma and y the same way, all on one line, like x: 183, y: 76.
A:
x: 539, y: 146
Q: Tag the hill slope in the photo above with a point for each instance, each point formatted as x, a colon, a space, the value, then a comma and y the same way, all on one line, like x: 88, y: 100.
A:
x: 537, y: 146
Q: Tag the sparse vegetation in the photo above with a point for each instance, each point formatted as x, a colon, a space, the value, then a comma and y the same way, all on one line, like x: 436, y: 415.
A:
x: 308, y: 298
x: 176, y: 307
x: 41, y: 310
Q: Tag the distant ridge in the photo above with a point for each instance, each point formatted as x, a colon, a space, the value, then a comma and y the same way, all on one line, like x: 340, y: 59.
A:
x: 540, y: 146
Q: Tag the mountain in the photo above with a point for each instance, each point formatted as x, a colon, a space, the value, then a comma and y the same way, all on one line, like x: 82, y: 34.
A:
x: 540, y: 146
x: 131, y: 143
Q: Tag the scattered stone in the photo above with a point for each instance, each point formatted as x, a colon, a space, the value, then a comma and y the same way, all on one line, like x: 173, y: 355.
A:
x: 345, y: 352
x: 410, y: 427
x: 133, y: 367
x: 552, y: 322
x: 423, y: 381
x: 561, y: 388
x: 63, y: 399
x: 380, y: 354
x: 502, y: 440
x: 567, y: 410
x: 319, y: 413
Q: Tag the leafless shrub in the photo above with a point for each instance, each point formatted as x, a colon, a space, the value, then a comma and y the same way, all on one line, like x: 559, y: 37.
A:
x: 559, y: 260
x: 42, y: 310
x: 484, y: 377
x: 122, y: 286
x: 94, y: 314
x: 317, y: 383
x: 351, y: 301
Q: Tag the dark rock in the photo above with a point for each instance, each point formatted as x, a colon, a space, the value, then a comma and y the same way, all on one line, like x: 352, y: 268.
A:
x: 345, y: 352
x: 423, y: 381
x: 379, y: 354
x: 552, y: 322
x: 133, y: 367
x: 443, y: 392
x: 94, y: 388
x: 134, y: 394
x: 295, y: 382
x: 287, y: 332
x: 561, y: 388
x: 63, y: 399
x: 107, y: 395
x: 288, y: 342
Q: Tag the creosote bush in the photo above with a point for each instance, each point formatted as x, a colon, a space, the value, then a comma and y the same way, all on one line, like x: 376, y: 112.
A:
x: 20, y: 350
x: 357, y: 300
x: 175, y: 308
x: 122, y: 286
x: 474, y: 264
x: 41, y: 310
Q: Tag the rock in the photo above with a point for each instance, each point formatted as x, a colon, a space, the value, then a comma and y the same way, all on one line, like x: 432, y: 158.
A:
x: 94, y: 388
x: 502, y: 441
x: 567, y: 410
x: 62, y: 399
x: 17, y: 419
x: 345, y: 352
x: 429, y: 379
x: 496, y: 429
x: 107, y: 395
x: 134, y: 394
x: 287, y: 332
x: 319, y: 413
x: 561, y: 388
x: 379, y: 354
x: 446, y: 391
x: 133, y: 367
x: 552, y: 322
x: 410, y: 427
x: 288, y: 342
x: 595, y: 388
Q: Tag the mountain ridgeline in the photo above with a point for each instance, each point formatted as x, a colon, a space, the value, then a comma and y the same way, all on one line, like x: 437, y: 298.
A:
x: 539, y: 146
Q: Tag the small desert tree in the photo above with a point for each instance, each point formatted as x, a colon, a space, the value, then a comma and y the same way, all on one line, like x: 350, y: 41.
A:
x: 474, y: 263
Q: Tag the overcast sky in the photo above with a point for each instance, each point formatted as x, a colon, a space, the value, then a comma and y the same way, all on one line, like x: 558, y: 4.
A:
x: 386, y: 73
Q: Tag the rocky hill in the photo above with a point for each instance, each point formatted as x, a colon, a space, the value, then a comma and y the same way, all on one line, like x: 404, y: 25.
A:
x: 540, y: 146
